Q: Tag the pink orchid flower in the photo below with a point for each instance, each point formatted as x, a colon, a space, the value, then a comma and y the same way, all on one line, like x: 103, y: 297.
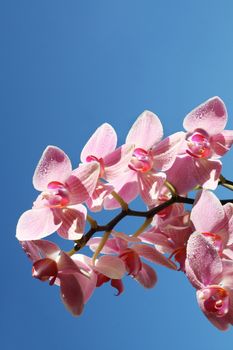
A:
x: 101, y: 148
x: 107, y: 268
x: 150, y: 158
x: 170, y: 234
x: 206, y: 141
x: 58, y: 207
x: 130, y: 250
x: 213, y: 279
x: 75, y: 278
x: 214, y: 221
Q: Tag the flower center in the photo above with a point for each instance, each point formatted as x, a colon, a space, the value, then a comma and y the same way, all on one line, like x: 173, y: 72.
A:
x: 215, y: 300
x: 215, y: 239
x: 132, y: 261
x: 141, y: 160
x: 92, y: 158
x: 198, y: 144
x: 45, y: 269
x: 57, y: 196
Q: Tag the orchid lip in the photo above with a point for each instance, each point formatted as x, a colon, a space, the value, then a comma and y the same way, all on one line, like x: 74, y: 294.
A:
x: 215, y: 239
x: 141, y: 161
x: 215, y: 300
x: 92, y: 158
x: 57, y: 196
x: 198, y: 144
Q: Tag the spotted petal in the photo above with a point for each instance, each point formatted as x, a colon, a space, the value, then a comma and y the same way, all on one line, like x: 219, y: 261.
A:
x: 210, y: 116
x: 146, y: 131
x: 54, y: 165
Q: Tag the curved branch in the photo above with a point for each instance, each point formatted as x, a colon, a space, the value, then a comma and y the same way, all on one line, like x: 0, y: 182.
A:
x: 79, y: 244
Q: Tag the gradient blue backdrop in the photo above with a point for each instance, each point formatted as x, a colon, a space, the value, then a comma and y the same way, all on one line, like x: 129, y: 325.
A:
x: 67, y: 67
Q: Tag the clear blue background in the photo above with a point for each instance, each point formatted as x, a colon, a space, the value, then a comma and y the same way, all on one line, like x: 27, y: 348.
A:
x: 67, y: 67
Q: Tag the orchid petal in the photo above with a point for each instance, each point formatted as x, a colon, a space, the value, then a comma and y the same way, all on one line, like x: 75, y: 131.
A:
x: 153, y: 255
x: 82, y: 182
x: 125, y: 237
x: 117, y: 162
x: 71, y: 293
x: 117, y: 283
x: 102, y: 190
x: 220, y: 322
x: 66, y: 264
x: 36, y: 224
x: 146, y: 131
x: 110, y: 246
x: 203, y: 263
x: 165, y: 152
x: 210, y: 116
x: 146, y: 276
x: 102, y: 142
x: 73, y: 222
x: 208, y: 213
x: 40, y: 249
x: 187, y: 172
x: 221, y: 143
x: 110, y: 266
x: 150, y: 184
x: 126, y: 187
x: 54, y: 165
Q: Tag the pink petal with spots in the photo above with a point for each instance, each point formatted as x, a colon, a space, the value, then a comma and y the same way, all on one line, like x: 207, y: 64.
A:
x: 71, y: 293
x: 102, y: 142
x: 203, y: 263
x: 117, y: 162
x: 208, y: 213
x: 221, y: 143
x: 165, y: 152
x: 228, y: 210
x: 110, y: 266
x: 227, y: 274
x: 54, y: 165
x: 146, y: 276
x: 82, y: 182
x: 73, y: 222
x: 146, y: 131
x: 153, y: 255
x: 36, y: 224
x: 150, y: 184
x: 210, y: 116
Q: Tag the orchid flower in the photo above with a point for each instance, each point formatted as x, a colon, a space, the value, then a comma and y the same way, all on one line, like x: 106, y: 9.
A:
x: 170, y: 234
x: 205, y: 142
x: 214, y: 221
x: 130, y: 250
x: 213, y: 279
x: 58, y: 207
x: 101, y: 148
x: 75, y: 278
x: 150, y: 158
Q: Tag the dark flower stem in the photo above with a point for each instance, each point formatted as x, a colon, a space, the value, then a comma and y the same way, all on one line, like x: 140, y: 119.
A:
x: 79, y: 244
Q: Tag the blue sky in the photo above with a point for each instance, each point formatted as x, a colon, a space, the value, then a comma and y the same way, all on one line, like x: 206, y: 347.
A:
x: 67, y: 67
